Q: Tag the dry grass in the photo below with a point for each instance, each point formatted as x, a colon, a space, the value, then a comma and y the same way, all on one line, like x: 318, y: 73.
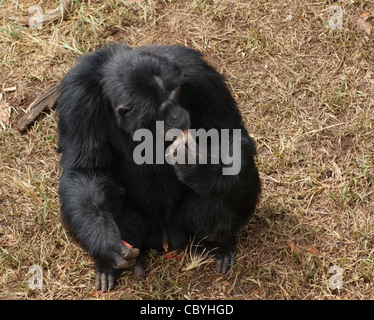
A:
x: 307, y: 96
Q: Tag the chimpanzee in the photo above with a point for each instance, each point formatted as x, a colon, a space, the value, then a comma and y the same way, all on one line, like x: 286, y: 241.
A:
x: 117, y: 207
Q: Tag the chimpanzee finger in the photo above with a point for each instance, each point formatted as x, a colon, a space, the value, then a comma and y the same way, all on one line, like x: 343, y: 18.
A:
x: 228, y: 261
x: 126, y: 252
x: 104, y: 281
x: 110, y: 282
x: 232, y: 258
x: 225, y: 265
x: 120, y: 262
x: 219, y: 261
x: 98, y: 280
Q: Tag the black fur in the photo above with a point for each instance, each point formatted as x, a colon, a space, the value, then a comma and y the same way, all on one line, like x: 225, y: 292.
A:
x: 106, y: 197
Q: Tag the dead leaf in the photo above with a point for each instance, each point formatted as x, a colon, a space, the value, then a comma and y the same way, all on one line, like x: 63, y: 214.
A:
x: 42, y: 18
x: 5, y: 111
x: 370, y: 77
x: 97, y: 294
x: 9, y: 240
x: 288, y: 18
x: 169, y: 256
x: 312, y: 250
x: 363, y: 22
x: 11, y: 89
x: 366, y: 14
x: 293, y: 247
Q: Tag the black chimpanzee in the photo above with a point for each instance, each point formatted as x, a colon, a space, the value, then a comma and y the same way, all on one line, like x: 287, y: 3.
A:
x: 106, y: 196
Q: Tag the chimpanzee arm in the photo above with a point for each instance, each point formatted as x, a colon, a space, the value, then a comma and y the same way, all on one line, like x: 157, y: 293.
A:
x: 89, y: 198
x: 222, y: 178
x: 88, y: 203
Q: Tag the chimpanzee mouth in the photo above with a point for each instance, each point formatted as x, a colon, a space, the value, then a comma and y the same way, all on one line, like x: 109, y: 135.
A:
x: 175, y: 133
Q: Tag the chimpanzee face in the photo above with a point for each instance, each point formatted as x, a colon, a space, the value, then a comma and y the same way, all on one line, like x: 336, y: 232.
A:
x: 143, y: 90
x: 144, y: 113
x: 172, y: 113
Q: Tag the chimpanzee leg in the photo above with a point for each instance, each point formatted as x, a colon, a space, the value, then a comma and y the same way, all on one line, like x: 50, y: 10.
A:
x: 207, y: 221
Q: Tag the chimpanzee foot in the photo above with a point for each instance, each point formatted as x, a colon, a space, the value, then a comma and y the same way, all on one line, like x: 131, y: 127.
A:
x: 139, y: 269
x: 224, y: 261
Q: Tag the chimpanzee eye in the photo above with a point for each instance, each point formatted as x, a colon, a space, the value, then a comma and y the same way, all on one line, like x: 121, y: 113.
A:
x: 121, y: 109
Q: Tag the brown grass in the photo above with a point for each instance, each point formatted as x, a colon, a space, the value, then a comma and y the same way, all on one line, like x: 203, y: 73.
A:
x: 307, y: 97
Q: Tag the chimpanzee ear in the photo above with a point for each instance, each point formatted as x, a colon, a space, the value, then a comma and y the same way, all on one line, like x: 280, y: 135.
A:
x: 121, y: 109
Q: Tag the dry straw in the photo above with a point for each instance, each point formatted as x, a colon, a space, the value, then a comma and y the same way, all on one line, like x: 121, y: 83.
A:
x: 306, y: 95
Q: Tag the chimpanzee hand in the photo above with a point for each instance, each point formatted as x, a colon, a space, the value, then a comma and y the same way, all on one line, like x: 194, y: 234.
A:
x: 183, y: 148
x: 184, y: 153
x: 203, y: 179
x: 121, y: 257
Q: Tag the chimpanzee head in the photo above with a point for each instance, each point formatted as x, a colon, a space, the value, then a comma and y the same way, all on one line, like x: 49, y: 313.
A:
x: 143, y: 89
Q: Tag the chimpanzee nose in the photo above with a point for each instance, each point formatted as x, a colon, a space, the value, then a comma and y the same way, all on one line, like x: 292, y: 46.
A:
x: 178, y: 118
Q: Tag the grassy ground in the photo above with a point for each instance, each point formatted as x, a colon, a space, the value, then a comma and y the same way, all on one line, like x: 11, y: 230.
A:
x: 306, y: 93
